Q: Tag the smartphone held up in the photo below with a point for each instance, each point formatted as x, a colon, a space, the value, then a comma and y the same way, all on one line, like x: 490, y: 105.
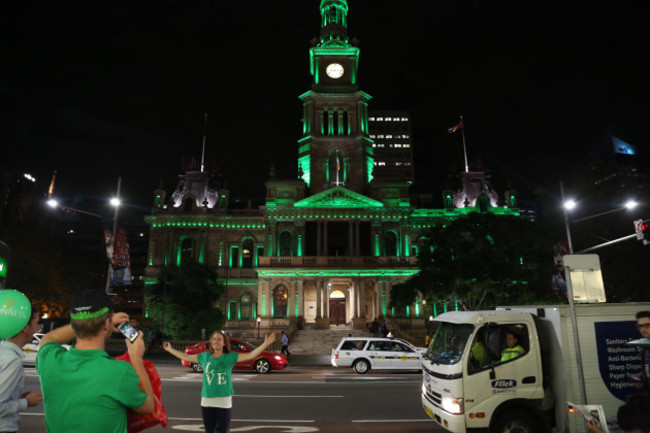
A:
x: 128, y: 331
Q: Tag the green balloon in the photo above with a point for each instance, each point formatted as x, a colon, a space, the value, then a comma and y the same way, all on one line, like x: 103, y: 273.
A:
x: 15, y: 311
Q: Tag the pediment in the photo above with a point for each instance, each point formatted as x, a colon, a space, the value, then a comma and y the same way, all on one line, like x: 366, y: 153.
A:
x: 338, y: 197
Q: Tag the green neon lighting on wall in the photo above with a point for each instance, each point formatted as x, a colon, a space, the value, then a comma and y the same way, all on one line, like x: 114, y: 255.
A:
x: 370, y: 164
x: 299, y: 245
x: 407, y: 250
x: 408, y: 311
x: 374, y: 272
x: 383, y: 303
x: 178, y: 252
x: 417, y: 308
x: 296, y: 305
x: 220, y: 254
x: 338, y: 197
x: 304, y: 164
x: 237, y: 281
x: 377, y: 249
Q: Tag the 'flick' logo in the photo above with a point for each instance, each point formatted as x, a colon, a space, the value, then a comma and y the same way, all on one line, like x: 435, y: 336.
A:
x: 10, y: 303
x: 504, y: 383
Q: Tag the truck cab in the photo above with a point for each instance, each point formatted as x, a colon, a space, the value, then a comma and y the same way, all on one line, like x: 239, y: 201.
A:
x: 472, y: 379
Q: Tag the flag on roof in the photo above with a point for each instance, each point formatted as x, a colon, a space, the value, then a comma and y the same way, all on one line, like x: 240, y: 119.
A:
x: 455, y: 128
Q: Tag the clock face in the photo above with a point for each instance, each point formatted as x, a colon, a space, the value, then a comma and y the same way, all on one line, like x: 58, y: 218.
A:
x: 334, y: 70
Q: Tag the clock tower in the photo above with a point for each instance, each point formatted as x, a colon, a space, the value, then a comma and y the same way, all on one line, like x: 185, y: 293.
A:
x: 335, y: 149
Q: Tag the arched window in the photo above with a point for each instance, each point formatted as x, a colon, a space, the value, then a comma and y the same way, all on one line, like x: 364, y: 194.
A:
x: 186, y: 251
x: 246, y: 306
x: 280, y: 297
x: 247, y: 253
x: 336, y: 166
x: 390, y: 244
x: 285, y: 241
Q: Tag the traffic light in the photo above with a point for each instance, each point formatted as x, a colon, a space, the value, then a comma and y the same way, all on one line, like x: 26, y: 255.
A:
x: 4, y: 264
x: 642, y: 228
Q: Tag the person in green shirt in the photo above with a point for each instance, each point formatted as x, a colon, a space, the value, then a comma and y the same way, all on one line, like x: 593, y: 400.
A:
x: 217, y: 390
x: 514, y: 349
x: 84, y: 390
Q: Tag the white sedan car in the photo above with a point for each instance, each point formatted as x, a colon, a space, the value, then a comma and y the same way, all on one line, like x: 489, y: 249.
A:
x: 31, y: 349
x: 366, y: 353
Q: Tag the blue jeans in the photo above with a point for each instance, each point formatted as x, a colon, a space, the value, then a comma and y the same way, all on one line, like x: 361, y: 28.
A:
x: 216, y: 419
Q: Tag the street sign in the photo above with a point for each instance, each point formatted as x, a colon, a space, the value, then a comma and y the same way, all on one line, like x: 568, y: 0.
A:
x: 586, y: 278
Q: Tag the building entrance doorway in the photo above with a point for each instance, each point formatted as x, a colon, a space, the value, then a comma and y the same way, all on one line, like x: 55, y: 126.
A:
x: 337, y: 308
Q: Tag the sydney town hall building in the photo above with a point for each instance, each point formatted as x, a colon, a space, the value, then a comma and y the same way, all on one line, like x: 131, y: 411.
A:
x: 328, y: 245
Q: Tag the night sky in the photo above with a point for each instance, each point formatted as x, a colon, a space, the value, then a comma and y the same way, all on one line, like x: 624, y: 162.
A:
x: 97, y: 90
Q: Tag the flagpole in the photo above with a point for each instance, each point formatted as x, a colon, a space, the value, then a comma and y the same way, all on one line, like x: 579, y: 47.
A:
x: 462, y: 131
x: 205, y: 123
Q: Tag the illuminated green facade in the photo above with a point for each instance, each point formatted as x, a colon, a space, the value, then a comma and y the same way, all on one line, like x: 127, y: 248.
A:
x: 332, y: 233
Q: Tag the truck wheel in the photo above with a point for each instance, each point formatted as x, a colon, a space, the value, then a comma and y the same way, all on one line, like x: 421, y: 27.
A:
x: 361, y: 366
x: 515, y: 421
x: 262, y: 366
x: 197, y: 368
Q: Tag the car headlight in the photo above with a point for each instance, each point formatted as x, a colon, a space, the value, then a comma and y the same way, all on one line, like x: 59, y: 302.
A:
x: 452, y: 405
x: 278, y: 358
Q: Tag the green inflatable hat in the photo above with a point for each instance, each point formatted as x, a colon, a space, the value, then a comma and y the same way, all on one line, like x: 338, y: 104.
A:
x: 15, y: 311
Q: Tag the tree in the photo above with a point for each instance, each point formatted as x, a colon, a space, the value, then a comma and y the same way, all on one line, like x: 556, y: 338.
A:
x: 482, y: 260
x: 184, y: 300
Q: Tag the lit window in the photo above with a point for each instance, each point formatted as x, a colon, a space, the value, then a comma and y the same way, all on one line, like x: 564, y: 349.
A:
x: 380, y: 119
x: 405, y: 119
x: 388, y: 119
x: 372, y: 136
x: 380, y: 136
x: 372, y: 119
x: 397, y: 145
x: 407, y: 163
x: 389, y: 136
x: 407, y: 145
x: 381, y: 163
x: 397, y: 164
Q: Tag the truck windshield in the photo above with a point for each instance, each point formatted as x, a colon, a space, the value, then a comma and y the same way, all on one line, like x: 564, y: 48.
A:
x: 448, y: 343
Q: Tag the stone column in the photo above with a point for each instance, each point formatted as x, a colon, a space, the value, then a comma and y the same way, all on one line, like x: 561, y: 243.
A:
x: 291, y: 301
x: 319, y: 282
x: 300, y: 298
x: 353, y: 298
x: 322, y: 320
x: 359, y: 321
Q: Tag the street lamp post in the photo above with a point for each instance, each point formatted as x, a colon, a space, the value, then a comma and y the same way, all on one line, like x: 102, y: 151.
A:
x: 116, y: 203
x: 568, y: 205
x: 259, y: 322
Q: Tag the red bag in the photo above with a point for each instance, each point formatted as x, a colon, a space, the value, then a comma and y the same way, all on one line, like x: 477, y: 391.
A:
x: 139, y: 421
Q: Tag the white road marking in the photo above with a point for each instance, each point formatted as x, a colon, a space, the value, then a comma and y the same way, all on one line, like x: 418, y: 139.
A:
x: 287, y: 396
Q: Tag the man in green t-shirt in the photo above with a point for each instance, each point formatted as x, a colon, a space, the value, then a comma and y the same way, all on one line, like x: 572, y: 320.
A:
x: 84, y: 390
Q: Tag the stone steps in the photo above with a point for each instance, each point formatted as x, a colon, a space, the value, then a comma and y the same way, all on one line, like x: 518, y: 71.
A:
x: 321, y: 341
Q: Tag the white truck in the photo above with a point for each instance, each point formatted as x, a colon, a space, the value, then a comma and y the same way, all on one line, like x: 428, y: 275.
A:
x: 468, y: 387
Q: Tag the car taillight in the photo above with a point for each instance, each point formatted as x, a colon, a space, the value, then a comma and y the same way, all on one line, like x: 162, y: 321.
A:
x: 336, y: 356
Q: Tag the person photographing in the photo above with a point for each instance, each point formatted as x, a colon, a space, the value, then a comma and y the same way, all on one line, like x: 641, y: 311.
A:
x: 85, y: 390
x: 217, y: 390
